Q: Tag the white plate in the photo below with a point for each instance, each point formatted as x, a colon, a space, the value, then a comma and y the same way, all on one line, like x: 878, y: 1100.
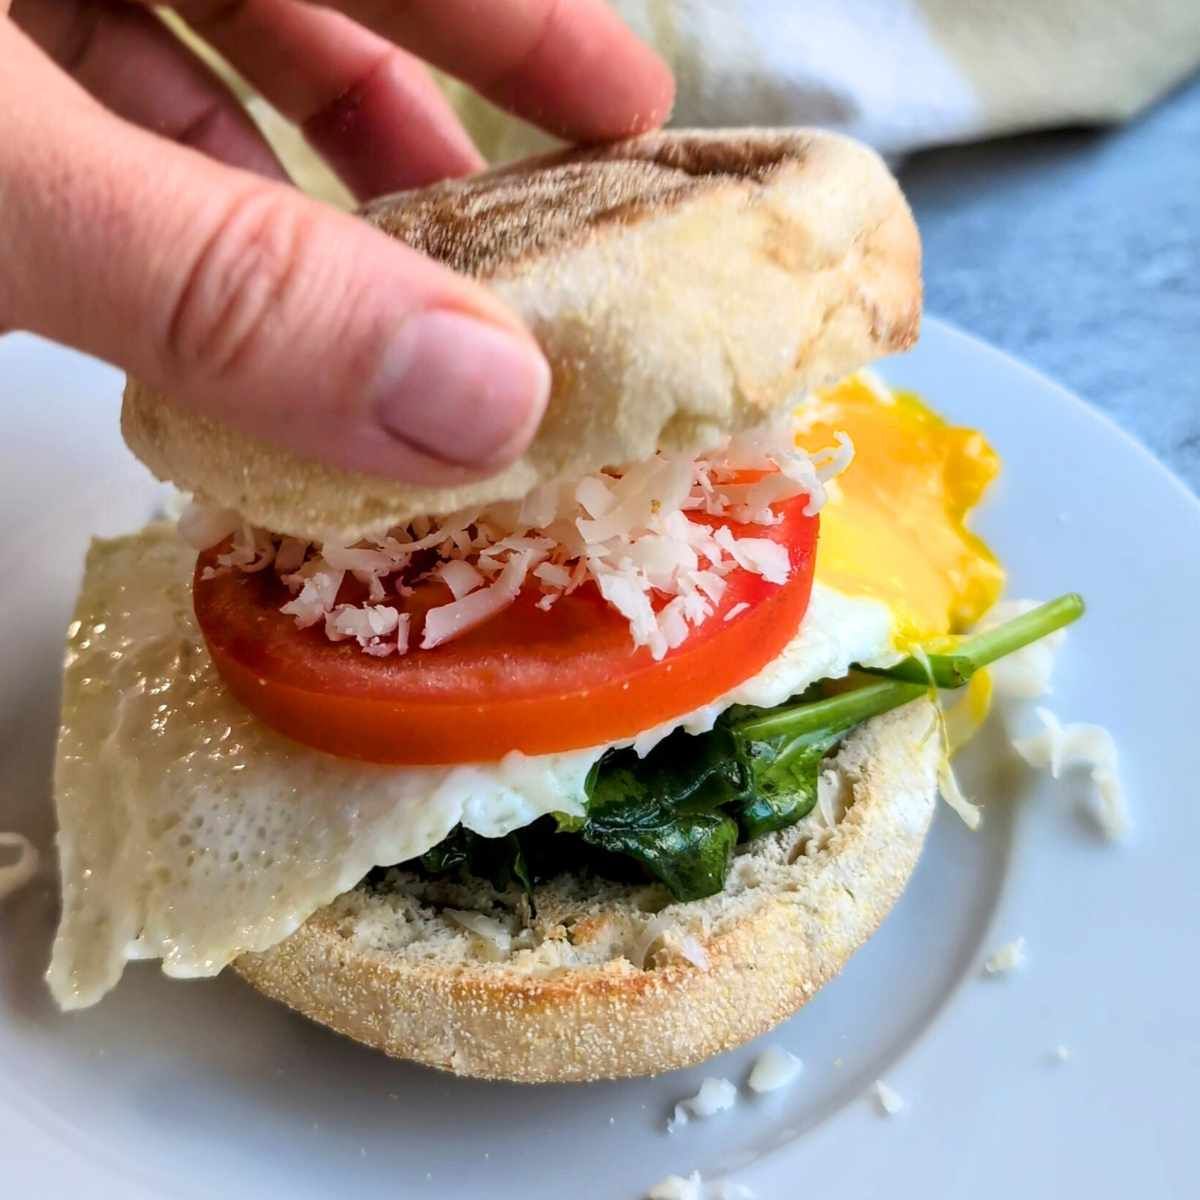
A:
x: 204, y: 1089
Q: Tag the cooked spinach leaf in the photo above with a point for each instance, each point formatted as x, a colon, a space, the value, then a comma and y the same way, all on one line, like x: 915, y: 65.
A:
x: 666, y: 811
x: 501, y: 861
x: 783, y: 776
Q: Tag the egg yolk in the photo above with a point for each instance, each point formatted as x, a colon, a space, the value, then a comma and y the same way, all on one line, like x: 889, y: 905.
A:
x: 893, y: 527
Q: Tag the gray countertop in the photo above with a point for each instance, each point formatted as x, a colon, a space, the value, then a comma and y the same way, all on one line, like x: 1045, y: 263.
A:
x: 1079, y: 252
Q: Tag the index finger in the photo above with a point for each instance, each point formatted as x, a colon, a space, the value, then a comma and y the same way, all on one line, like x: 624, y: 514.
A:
x: 571, y: 66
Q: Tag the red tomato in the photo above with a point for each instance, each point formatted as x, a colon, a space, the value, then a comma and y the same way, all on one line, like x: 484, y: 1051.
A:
x: 528, y: 680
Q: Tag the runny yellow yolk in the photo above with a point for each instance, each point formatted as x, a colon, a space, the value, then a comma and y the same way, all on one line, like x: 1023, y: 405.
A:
x: 893, y: 526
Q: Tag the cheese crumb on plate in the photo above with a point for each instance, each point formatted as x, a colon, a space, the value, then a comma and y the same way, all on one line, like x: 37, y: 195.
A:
x: 889, y: 1100
x: 775, y: 1068
x: 1009, y: 957
x: 716, y: 1095
x: 1060, y: 747
x: 676, y: 1187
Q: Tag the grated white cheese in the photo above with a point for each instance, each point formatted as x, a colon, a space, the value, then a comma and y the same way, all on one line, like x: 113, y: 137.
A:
x: 1062, y: 747
x: 660, y: 929
x: 1009, y: 957
x: 676, y: 1187
x: 889, y: 1100
x: 631, y: 531
x: 495, y: 935
x: 971, y: 814
x: 460, y: 577
x: 370, y: 626
x: 678, y: 1119
x: 452, y: 620
x: 17, y: 874
x: 716, y: 1095
x: 691, y: 949
x: 774, y: 1068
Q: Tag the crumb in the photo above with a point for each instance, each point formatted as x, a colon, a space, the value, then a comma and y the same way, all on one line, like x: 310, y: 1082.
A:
x: 716, y: 1095
x: 774, y: 1068
x: 675, y: 1187
x: 1009, y: 957
x: 889, y: 1100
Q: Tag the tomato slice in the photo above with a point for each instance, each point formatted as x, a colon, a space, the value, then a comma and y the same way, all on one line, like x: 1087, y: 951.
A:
x: 528, y: 680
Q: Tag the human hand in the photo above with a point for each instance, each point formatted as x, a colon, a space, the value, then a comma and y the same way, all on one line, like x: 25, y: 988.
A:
x: 183, y: 256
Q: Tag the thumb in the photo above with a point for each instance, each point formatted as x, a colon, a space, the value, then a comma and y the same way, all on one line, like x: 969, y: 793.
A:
x: 247, y: 301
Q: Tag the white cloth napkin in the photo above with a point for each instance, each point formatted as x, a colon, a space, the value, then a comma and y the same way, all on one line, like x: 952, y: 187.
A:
x: 900, y: 74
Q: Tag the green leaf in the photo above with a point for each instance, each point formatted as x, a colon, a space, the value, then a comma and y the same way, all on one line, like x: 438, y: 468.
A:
x: 501, y: 861
x: 665, y: 811
x: 689, y: 853
x: 783, y: 777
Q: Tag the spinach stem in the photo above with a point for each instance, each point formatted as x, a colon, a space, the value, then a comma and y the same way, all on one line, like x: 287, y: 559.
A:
x: 955, y: 669
x: 850, y: 708
x: 914, y: 677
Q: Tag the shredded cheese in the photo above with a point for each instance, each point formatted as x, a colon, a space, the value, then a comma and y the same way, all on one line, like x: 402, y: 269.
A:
x: 1009, y: 957
x: 661, y: 929
x: 676, y: 1187
x: 889, y: 1100
x: 716, y: 1095
x: 633, y: 532
x: 1061, y: 747
x: 775, y: 1068
x: 494, y: 934
x: 971, y: 813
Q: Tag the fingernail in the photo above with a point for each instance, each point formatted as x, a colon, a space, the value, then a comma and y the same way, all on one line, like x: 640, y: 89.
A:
x: 462, y: 390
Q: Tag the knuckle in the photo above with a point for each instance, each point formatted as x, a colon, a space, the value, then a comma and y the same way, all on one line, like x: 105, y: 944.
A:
x: 238, y: 284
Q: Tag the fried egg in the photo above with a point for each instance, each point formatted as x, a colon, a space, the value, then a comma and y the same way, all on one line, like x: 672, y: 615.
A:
x: 191, y: 832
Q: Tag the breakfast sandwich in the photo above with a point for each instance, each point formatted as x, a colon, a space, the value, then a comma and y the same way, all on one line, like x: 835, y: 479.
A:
x: 602, y: 764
